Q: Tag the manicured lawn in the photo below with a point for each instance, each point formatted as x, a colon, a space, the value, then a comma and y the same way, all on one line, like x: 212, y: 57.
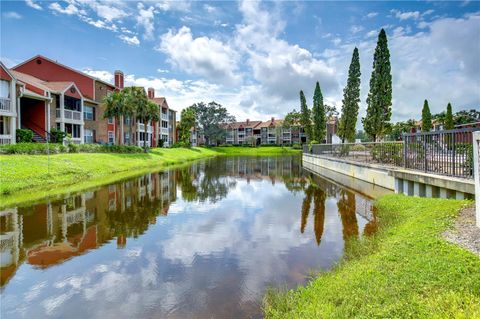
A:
x: 407, y: 270
x: 31, y: 177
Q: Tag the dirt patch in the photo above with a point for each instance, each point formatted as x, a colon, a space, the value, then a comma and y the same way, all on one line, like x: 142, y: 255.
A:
x: 465, y: 233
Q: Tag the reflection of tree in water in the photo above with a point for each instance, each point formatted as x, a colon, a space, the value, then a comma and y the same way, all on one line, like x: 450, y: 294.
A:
x: 346, y: 208
x: 319, y: 197
x: 372, y: 226
x: 185, y: 177
x: 212, y: 186
x: 306, y: 207
x: 134, y: 220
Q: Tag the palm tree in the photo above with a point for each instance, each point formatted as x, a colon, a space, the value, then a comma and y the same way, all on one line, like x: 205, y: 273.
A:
x: 114, y: 106
x: 130, y: 107
x: 145, y: 111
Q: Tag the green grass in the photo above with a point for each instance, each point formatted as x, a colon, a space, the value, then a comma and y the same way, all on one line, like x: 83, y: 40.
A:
x: 26, y: 178
x: 407, y: 270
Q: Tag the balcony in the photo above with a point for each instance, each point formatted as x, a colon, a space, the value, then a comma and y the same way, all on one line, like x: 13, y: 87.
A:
x: 70, y: 115
x: 5, y: 105
x: 164, y: 117
x: 5, y: 139
x: 141, y: 128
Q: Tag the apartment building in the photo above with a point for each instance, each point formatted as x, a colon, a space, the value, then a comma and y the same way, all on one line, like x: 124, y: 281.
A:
x: 165, y: 129
x: 8, y: 106
x: 273, y: 132
x: 261, y: 133
x: 40, y: 94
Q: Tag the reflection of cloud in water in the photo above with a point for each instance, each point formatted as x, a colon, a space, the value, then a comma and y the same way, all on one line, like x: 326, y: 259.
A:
x: 205, y: 258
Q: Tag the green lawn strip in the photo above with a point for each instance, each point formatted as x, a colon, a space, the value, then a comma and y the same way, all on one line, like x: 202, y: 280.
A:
x: 26, y: 178
x: 407, y: 270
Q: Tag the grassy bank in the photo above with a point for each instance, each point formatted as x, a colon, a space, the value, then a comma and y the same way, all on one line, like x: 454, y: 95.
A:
x: 31, y: 177
x: 407, y: 270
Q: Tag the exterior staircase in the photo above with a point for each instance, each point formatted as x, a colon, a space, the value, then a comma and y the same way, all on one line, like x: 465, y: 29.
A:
x: 37, y: 138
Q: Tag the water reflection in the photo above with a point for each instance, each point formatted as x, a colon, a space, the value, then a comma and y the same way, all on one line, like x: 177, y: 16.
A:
x: 234, y: 226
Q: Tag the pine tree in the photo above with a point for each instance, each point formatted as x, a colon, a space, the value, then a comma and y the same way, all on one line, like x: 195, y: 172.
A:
x: 426, y: 118
x: 351, y: 98
x: 379, y: 100
x: 305, y: 116
x: 319, y: 118
x: 449, y: 118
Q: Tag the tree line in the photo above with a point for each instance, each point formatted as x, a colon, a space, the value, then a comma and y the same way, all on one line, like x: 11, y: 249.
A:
x: 379, y: 101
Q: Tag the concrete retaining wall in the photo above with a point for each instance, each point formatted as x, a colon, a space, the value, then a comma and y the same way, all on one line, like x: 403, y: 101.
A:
x: 402, y: 181
x: 374, y: 174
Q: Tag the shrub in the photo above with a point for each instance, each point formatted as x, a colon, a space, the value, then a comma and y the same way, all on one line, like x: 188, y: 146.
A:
x: 297, y: 146
x: 358, y: 148
x: 55, y: 148
x: 56, y: 135
x: 32, y: 148
x: 24, y: 136
x: 73, y: 148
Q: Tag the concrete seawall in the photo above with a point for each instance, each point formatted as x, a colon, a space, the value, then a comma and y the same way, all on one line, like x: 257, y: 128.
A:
x: 408, y: 182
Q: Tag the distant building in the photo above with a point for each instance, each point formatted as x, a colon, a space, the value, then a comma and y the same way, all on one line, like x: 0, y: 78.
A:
x: 272, y: 132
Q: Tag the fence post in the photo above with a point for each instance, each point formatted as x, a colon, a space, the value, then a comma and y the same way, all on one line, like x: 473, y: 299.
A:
x: 476, y: 173
x: 425, y: 153
x: 404, y: 138
x: 454, y: 155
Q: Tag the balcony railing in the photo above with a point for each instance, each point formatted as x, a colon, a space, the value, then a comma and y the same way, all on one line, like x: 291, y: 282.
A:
x: 5, y: 139
x: 141, y: 128
x: 164, y: 117
x: 5, y: 105
x: 69, y: 114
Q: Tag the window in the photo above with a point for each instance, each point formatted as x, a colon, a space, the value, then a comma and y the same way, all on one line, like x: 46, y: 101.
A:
x: 89, y: 113
x: 126, y: 138
x: 110, y: 137
x: 4, y: 89
x: 127, y: 120
x: 71, y: 103
x: 4, y: 125
x: 73, y: 130
x: 110, y: 120
x: 88, y: 136
x: 164, y: 124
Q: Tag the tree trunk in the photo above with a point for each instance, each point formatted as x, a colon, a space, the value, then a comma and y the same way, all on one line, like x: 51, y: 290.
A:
x: 145, y: 136
x: 121, y: 130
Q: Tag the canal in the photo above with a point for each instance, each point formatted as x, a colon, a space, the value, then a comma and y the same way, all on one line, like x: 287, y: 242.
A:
x: 202, y: 241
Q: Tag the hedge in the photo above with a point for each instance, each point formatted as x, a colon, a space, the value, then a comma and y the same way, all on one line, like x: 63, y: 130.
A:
x: 54, y: 148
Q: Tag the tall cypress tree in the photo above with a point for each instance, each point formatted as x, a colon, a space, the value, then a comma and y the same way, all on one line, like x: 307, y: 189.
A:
x: 379, y: 100
x: 305, y: 116
x: 426, y: 118
x: 449, y: 125
x: 319, y: 118
x: 351, y: 98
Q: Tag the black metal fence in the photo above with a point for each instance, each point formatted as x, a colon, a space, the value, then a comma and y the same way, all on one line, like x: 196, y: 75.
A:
x: 440, y: 152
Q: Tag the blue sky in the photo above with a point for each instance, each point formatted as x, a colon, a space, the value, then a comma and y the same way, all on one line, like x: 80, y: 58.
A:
x: 254, y: 57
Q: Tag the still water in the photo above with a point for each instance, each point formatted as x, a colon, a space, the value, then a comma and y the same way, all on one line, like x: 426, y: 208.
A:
x: 203, y: 241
